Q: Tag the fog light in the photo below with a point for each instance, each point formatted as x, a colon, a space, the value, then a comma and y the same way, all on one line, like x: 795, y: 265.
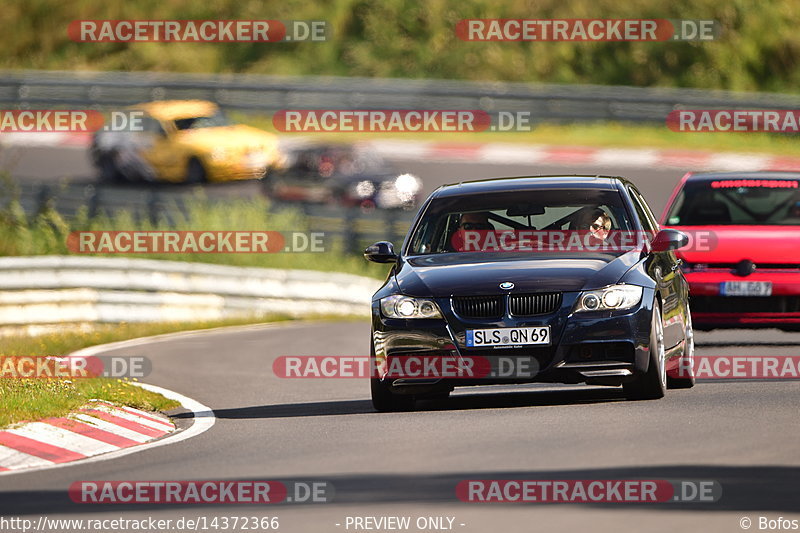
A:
x: 591, y: 301
x: 427, y: 308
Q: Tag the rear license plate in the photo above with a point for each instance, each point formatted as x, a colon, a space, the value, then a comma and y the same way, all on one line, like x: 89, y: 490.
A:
x: 508, y: 336
x: 746, y: 288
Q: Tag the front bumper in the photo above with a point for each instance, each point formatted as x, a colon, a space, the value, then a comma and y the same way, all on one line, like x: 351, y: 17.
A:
x: 606, y: 347
x: 710, y: 309
x: 239, y: 168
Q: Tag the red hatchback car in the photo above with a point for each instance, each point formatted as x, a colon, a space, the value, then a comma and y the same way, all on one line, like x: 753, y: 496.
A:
x: 743, y: 261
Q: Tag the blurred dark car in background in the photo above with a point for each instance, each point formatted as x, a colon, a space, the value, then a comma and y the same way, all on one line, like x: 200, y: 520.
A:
x: 341, y: 174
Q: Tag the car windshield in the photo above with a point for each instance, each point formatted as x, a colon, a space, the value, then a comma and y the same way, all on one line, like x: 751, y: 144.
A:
x: 216, y: 120
x: 735, y: 201
x: 546, y: 210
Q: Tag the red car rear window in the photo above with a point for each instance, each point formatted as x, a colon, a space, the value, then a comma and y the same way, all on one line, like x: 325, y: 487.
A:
x: 733, y: 201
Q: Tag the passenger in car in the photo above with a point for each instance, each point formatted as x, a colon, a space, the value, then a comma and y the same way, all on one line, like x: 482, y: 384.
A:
x: 597, y: 222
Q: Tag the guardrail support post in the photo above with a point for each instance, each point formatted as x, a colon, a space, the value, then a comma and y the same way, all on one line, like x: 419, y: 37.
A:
x: 391, y: 218
x: 44, y: 200
x: 351, y: 236
x: 94, y: 200
x: 153, y: 207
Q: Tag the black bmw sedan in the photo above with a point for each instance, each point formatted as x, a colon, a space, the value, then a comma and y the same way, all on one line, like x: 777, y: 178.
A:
x: 564, y: 279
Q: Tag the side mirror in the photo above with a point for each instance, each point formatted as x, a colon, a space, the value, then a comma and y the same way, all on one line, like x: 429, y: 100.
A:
x: 669, y: 239
x: 381, y: 252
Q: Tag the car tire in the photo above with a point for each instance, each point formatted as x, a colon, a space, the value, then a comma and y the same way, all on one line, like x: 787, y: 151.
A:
x: 651, y: 385
x: 687, y: 359
x: 109, y: 171
x: 196, y: 172
x: 384, y: 400
x: 268, y: 186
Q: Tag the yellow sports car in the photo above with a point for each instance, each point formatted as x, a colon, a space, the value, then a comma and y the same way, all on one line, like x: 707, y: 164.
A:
x: 183, y: 141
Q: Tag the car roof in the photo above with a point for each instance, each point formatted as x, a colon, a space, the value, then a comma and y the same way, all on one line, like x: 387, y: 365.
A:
x: 526, y: 183
x: 760, y: 174
x: 174, y: 109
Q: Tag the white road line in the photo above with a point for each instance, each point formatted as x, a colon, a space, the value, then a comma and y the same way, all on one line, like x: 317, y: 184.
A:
x: 510, y: 154
x: 628, y: 158
x: 739, y: 162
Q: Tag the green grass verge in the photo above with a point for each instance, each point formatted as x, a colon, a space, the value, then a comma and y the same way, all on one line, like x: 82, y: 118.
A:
x: 34, y: 399
x: 47, y: 232
x: 599, y: 134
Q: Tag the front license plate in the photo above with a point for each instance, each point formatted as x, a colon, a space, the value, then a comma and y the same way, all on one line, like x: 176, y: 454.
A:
x: 508, y: 336
x: 746, y: 288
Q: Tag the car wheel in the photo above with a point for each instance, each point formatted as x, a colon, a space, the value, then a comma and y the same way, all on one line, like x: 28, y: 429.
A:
x: 687, y: 359
x: 109, y: 171
x: 651, y: 385
x: 196, y: 172
x: 384, y: 400
x: 268, y: 186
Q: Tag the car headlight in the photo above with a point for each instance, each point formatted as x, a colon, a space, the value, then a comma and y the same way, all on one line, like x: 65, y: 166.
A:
x: 407, y: 186
x: 611, y: 298
x: 364, y: 189
x: 399, y: 306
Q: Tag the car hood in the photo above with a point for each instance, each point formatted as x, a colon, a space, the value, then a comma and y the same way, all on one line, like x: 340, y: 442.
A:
x: 458, y: 274
x: 238, y: 137
x: 731, y: 244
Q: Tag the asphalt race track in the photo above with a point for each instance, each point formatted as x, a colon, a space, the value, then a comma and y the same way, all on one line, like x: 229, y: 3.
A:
x: 742, y: 434
x: 51, y: 163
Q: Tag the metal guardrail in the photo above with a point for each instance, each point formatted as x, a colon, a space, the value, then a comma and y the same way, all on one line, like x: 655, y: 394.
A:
x: 266, y: 94
x: 56, y: 289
